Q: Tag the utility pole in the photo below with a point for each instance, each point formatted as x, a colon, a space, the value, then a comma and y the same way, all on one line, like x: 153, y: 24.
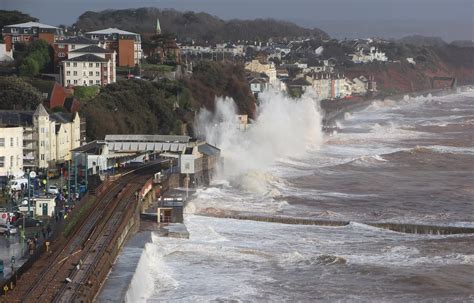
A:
x: 75, y: 174
x: 87, y: 170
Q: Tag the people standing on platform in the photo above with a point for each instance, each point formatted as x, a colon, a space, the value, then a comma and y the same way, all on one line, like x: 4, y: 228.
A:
x: 48, y: 230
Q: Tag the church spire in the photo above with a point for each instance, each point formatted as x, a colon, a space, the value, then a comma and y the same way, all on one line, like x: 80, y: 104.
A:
x: 158, y: 27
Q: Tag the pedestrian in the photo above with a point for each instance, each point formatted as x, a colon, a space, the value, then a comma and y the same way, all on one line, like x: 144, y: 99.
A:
x: 48, y: 229
x: 43, y: 232
x: 31, y: 247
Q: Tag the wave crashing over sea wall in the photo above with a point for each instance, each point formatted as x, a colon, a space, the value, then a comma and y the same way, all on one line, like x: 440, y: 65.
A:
x: 284, y: 127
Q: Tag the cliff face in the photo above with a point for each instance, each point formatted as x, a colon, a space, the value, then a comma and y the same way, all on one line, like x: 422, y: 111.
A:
x: 402, y: 77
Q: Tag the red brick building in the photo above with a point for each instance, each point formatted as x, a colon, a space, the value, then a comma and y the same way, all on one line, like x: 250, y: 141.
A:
x: 28, y: 32
x: 127, y: 45
x: 64, y: 46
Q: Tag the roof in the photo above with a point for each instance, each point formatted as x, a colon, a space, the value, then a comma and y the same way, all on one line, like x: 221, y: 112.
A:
x: 31, y: 24
x: 91, y: 147
x: 61, y: 117
x: 147, y: 138
x: 87, y: 58
x: 112, y: 30
x: 77, y: 40
x: 209, y: 149
x: 92, y: 49
x: 41, y: 111
x: 16, y: 118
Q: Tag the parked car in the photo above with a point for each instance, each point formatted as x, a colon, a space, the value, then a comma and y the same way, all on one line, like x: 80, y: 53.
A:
x: 10, y: 229
x: 29, y: 222
x: 53, y: 189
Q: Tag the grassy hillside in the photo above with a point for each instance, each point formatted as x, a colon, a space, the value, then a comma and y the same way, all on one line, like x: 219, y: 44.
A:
x: 190, y: 25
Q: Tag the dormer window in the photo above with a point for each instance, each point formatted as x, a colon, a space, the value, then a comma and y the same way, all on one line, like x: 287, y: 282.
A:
x: 14, y: 30
x: 73, y: 46
x: 25, y: 31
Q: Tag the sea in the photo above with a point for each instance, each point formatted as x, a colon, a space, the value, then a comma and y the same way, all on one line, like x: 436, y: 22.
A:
x: 407, y: 161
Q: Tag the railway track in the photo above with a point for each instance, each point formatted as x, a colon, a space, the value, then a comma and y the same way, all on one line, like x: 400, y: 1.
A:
x: 79, y: 255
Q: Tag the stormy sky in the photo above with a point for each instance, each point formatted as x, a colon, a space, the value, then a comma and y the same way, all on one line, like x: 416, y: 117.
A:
x: 449, y: 19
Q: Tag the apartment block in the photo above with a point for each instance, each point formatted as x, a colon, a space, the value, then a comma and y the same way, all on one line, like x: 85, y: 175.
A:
x: 28, y: 32
x: 90, y: 65
x: 128, y: 45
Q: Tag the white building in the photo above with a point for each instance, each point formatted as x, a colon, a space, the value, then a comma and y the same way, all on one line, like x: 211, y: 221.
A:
x: 359, y: 85
x: 4, y: 55
x: 91, y: 65
x: 366, y: 55
x: 268, y: 69
x: 11, y: 151
x: 56, y: 135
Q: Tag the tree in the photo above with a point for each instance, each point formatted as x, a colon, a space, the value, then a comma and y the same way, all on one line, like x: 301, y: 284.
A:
x: 33, y: 58
x: 15, y: 93
x: 14, y: 17
x: 29, y: 67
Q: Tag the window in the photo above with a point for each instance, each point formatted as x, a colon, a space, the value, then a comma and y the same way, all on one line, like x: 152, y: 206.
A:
x: 91, y: 64
x: 42, y: 130
x: 91, y: 73
x: 42, y: 156
x: 42, y: 142
x: 75, y: 73
x: 2, y: 142
x: 75, y: 81
x: 84, y: 64
x: 17, y: 143
x: 11, y: 141
x: 91, y: 82
x: 74, y: 64
x: 73, y: 46
x: 25, y: 31
x: 68, y: 73
x: 84, y: 74
x: 14, y: 30
x: 61, y: 55
x: 68, y: 64
x: 97, y: 74
x: 11, y: 161
x: 60, y: 45
x: 97, y: 81
x: 15, y: 39
x: 2, y: 161
x: 97, y: 65
x: 68, y: 81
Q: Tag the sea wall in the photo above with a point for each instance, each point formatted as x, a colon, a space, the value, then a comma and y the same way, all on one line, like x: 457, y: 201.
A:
x: 393, y: 226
